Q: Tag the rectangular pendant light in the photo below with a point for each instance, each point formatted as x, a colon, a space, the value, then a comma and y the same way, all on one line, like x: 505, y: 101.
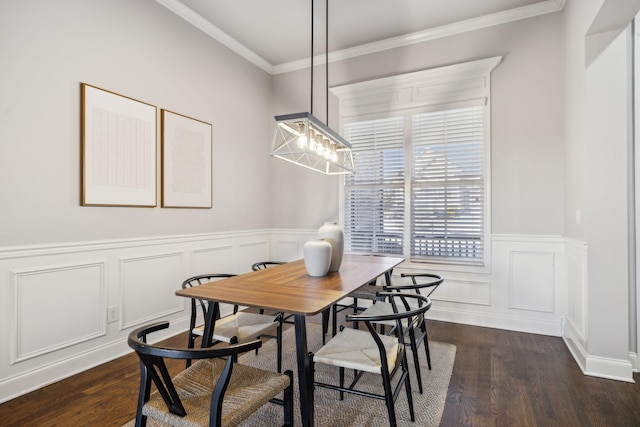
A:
x: 304, y: 140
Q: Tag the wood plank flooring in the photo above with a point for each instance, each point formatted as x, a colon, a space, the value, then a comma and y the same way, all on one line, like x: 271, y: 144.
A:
x: 500, y: 378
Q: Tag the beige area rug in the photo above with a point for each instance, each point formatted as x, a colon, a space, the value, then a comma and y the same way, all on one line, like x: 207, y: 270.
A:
x: 354, y: 410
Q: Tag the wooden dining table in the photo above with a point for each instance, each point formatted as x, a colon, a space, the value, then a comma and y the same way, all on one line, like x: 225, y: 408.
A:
x: 288, y: 288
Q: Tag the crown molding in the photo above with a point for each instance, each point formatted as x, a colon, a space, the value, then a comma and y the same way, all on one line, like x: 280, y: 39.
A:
x: 524, y: 12
x: 541, y: 8
x: 216, y: 33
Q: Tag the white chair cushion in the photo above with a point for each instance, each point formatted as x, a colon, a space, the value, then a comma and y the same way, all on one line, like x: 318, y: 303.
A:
x: 356, y: 349
x: 244, y: 326
x: 383, y: 308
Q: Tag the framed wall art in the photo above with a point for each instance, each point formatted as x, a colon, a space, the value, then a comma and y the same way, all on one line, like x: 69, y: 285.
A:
x: 118, y: 149
x: 186, y: 162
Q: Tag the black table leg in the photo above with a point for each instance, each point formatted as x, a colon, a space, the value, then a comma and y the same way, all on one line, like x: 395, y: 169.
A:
x: 305, y: 381
x: 209, y: 324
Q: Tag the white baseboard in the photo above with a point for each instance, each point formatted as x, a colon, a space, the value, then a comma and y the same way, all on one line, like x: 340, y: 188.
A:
x: 41, y: 376
x: 611, y: 369
x: 508, y: 323
x: 608, y: 368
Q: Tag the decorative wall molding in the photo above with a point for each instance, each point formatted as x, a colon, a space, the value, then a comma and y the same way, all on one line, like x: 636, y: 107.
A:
x: 524, y: 12
x: 45, y: 318
x: 212, y: 259
x: 102, y: 245
x: 148, y: 287
x: 532, y: 281
x: 92, y: 276
x: 139, y: 276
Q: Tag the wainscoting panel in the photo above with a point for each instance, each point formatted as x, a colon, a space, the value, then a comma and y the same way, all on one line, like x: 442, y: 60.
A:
x: 251, y: 252
x: 57, y: 307
x: 212, y: 260
x: 148, y: 287
x: 532, y: 281
x: 460, y: 291
x: 288, y: 250
x: 288, y: 245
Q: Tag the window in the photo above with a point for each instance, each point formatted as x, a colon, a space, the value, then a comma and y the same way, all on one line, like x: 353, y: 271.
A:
x: 447, y: 185
x: 421, y: 182
x: 374, y: 196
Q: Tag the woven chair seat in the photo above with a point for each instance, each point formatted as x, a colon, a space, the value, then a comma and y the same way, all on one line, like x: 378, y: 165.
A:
x: 249, y: 389
x: 244, y: 326
x: 356, y: 349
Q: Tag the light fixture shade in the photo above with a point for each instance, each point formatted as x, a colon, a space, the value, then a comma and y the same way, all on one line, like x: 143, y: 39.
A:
x: 304, y: 140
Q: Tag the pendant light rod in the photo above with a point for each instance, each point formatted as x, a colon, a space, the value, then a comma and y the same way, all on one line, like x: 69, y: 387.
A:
x: 326, y: 61
x: 305, y: 140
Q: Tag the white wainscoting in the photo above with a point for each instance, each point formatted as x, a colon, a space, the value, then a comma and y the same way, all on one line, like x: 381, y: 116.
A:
x: 576, y: 315
x: 523, y: 290
x: 148, y: 285
x: 54, y: 299
x: 42, y: 293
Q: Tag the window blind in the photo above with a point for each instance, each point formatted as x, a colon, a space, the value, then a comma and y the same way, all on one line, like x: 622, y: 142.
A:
x: 447, y: 185
x: 375, y: 195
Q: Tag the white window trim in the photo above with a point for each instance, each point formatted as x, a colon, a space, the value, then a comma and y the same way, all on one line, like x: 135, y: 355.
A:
x: 451, y: 86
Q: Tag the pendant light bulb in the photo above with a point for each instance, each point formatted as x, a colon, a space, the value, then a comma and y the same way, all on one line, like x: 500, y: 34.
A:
x: 333, y: 153
x: 302, y: 137
x: 312, y: 140
x: 319, y: 144
x: 326, y: 149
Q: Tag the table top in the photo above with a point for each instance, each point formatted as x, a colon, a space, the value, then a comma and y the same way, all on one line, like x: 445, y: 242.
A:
x: 289, y: 288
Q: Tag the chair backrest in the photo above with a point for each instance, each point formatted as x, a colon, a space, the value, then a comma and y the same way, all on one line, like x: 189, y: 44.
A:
x: 265, y: 264
x: 204, y: 305
x: 403, y: 309
x: 153, y: 367
x: 418, y: 281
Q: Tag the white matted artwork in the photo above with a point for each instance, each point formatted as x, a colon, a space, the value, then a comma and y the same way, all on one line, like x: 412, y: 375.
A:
x: 118, y: 150
x: 186, y: 162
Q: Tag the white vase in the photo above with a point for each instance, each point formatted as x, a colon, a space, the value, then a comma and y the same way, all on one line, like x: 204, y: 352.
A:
x: 317, y: 257
x: 332, y: 233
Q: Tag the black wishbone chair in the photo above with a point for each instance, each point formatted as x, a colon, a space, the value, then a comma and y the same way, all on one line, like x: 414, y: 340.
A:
x: 417, y: 331
x: 214, y: 391
x: 357, y: 349
x: 265, y: 264
x: 365, y: 292
x: 238, y: 327
x: 262, y: 265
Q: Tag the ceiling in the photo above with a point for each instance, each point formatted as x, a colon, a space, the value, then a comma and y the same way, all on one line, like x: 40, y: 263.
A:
x: 276, y: 34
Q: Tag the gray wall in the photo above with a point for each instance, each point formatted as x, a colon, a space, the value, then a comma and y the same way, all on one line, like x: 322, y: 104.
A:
x: 182, y: 69
x: 141, y: 50
x: 527, y: 112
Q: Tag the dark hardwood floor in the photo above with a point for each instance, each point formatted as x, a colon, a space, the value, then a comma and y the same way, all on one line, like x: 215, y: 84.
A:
x: 500, y: 378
